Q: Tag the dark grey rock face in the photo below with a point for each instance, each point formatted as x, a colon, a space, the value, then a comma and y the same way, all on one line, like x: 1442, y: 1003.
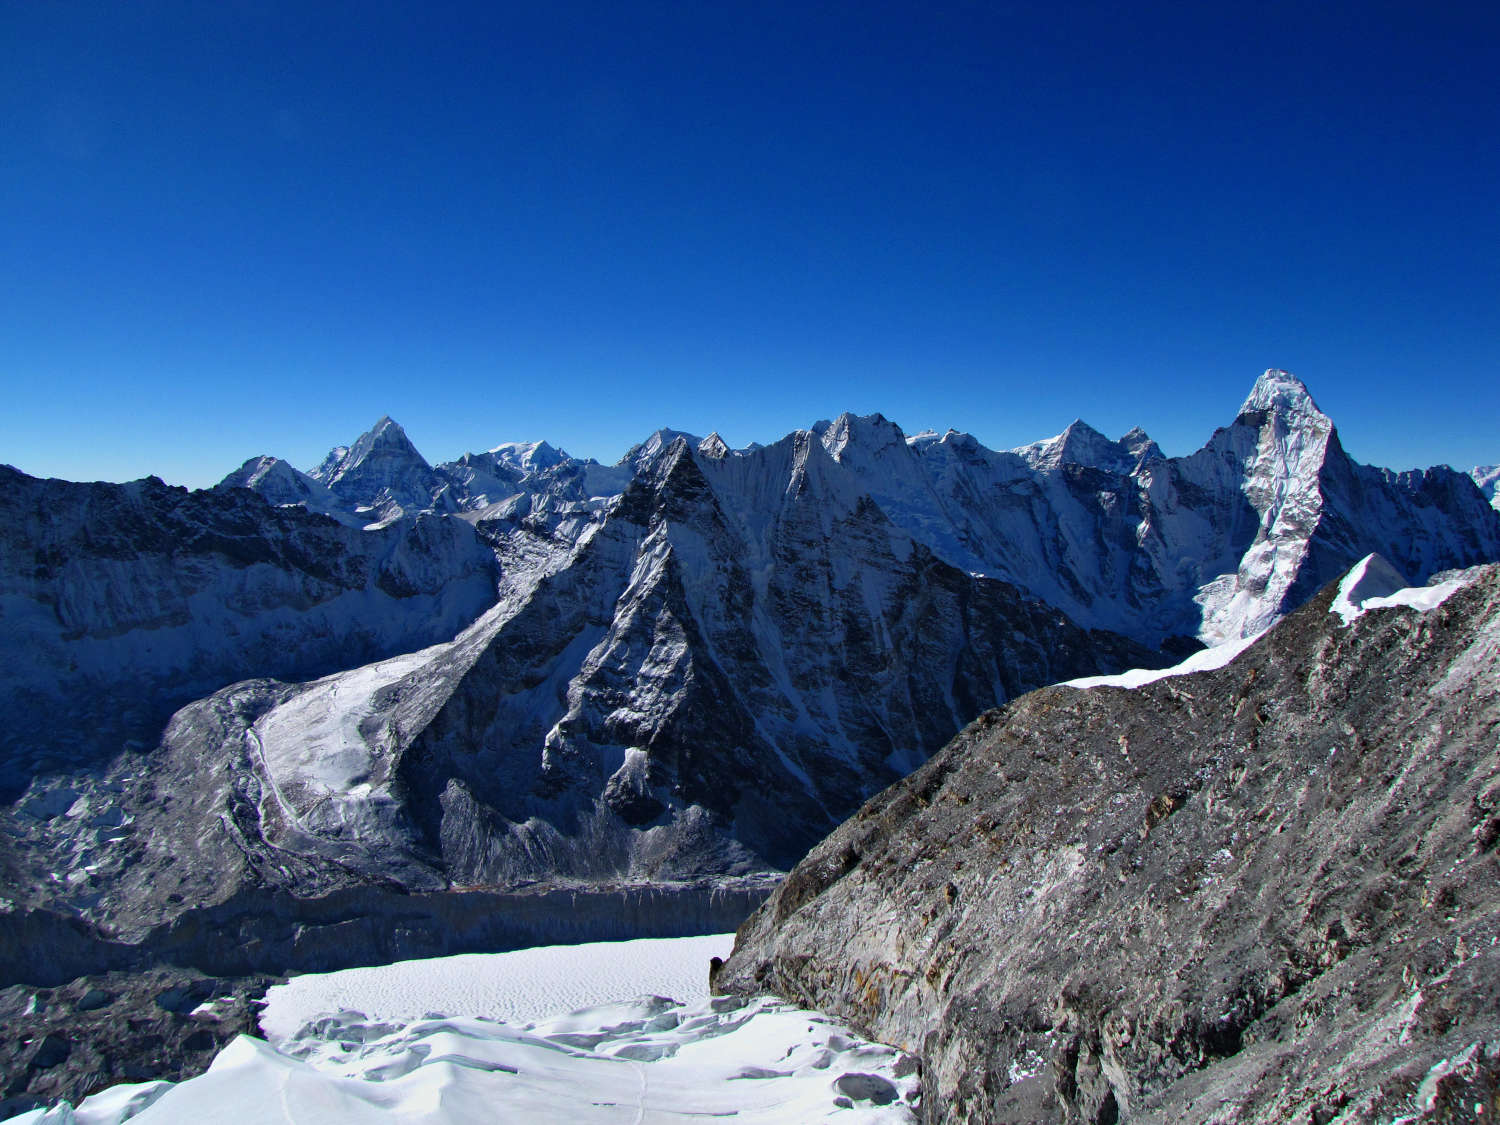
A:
x: 731, y: 693
x: 1267, y: 893
x: 69, y: 1040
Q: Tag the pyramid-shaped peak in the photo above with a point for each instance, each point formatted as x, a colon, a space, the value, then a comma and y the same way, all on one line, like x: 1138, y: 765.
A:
x: 662, y: 439
x: 1079, y: 444
x: 1279, y: 390
x: 713, y: 446
x: 1079, y: 428
x: 387, y: 431
x: 388, y: 438
x: 377, y: 453
x: 1139, y: 444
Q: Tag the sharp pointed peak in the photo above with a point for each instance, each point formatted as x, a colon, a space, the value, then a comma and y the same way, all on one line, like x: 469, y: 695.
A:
x: 1078, y: 444
x: 1140, y: 445
x: 386, y: 427
x: 714, y: 446
x: 1078, y: 427
x: 1277, y: 389
x: 660, y: 439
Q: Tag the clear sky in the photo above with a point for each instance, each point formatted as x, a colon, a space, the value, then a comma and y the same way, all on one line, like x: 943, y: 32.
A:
x: 246, y: 227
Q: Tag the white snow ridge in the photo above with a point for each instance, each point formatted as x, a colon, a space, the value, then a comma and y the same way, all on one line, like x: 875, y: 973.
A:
x: 1371, y: 583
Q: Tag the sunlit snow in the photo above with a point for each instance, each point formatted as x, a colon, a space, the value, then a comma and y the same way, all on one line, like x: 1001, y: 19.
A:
x: 1372, y: 583
x: 520, y: 986
x: 1205, y: 660
x: 645, y: 1058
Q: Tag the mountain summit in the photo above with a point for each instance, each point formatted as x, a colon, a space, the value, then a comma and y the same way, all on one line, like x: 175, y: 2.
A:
x: 1278, y: 390
x: 381, y: 475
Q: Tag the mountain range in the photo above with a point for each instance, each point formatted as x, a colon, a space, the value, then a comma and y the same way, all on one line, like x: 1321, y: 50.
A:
x: 523, y: 666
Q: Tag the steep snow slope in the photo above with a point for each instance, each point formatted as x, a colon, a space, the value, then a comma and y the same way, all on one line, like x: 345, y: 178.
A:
x: 1487, y: 477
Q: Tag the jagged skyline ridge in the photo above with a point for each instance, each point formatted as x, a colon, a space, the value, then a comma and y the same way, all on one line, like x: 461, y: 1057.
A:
x: 1078, y: 442
x: 1072, y: 519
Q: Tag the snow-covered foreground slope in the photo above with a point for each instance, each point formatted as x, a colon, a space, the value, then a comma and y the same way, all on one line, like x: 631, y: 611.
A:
x: 635, y: 1055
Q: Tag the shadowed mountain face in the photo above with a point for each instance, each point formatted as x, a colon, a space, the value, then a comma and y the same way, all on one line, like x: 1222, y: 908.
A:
x: 695, y: 662
x: 121, y: 602
x: 1265, y: 893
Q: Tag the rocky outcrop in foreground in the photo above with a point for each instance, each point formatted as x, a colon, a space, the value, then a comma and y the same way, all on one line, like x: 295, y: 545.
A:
x: 1266, y: 893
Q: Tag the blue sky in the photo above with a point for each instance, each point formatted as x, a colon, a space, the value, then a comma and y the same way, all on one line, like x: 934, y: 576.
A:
x: 236, y: 228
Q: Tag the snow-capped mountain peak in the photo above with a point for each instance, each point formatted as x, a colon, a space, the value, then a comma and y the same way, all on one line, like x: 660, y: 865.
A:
x: 1280, y: 391
x: 713, y: 446
x: 652, y: 447
x: 282, y: 485
x: 529, y: 456
x: 1079, y: 444
x: 1138, y: 443
x: 380, y: 475
x: 385, y: 440
x: 870, y: 432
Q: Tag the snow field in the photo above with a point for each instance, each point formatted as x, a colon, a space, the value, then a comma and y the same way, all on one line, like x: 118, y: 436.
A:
x: 639, y: 1059
x: 517, y: 987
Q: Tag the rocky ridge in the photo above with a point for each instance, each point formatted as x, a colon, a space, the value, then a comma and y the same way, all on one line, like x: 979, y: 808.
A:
x: 1264, y: 893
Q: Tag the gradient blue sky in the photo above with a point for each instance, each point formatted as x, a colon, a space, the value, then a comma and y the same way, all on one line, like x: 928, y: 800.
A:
x: 231, y: 228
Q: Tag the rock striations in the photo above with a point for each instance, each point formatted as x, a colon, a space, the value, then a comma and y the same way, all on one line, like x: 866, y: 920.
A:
x: 1265, y: 893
